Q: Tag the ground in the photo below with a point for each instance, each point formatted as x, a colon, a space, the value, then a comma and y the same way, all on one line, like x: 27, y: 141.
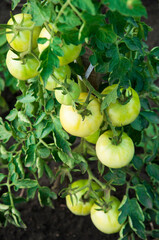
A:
x: 59, y: 223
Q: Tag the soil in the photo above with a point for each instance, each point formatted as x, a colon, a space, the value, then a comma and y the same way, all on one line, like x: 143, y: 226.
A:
x: 59, y: 223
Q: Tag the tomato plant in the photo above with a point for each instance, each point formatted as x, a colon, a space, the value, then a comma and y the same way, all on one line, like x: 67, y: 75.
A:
x: 108, y: 135
x: 75, y: 124
x: 22, y: 32
x: 107, y: 222
x: 81, y: 201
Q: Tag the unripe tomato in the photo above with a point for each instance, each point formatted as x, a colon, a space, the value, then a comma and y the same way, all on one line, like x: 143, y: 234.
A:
x: 72, y: 94
x: 73, y: 122
x: 20, y: 39
x: 71, y: 52
x: 106, y: 222
x: 79, y: 204
x: 93, y: 137
x: 22, y: 70
x: 111, y: 155
x: 123, y: 114
x: 60, y: 73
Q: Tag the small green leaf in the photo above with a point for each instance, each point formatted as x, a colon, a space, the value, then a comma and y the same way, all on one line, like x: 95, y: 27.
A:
x: 45, y: 196
x: 26, y: 183
x: 143, y: 196
x: 29, y: 98
x: 2, y: 176
x: 150, y: 116
x: 30, y: 155
x: 129, y: 8
x: 153, y: 171
x: 85, y: 5
x: 12, y: 115
x: 116, y: 176
x: 109, y: 98
x: 40, y: 166
x: 15, y: 3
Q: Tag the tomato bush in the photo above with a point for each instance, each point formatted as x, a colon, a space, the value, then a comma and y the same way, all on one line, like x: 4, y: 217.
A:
x: 108, y: 135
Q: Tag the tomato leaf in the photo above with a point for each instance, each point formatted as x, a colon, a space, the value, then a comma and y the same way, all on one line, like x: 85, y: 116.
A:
x: 128, y: 8
x: 116, y: 176
x: 109, y: 98
x: 30, y: 156
x: 153, y: 170
x: 26, y: 183
x: 143, y: 196
x: 15, y: 3
x: 85, y: 5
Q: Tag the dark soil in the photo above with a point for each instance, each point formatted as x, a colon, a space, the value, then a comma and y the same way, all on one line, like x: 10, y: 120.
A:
x: 59, y: 223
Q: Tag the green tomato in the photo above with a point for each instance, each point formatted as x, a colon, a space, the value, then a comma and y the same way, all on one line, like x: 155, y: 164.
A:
x: 106, y: 222
x: 123, y: 114
x: 20, y: 39
x: 93, y: 137
x: 67, y: 98
x: 60, y: 73
x: 80, y: 205
x: 112, y: 155
x: 71, y: 52
x: 73, y: 122
x: 22, y: 70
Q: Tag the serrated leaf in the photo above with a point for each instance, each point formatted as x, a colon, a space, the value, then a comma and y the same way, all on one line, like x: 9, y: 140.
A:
x: 49, y: 172
x: 40, y: 166
x: 47, y: 130
x: 65, y: 158
x: 109, y: 98
x: 85, y: 5
x: 153, y: 171
x: 140, y: 123
x: 150, y: 116
x: 41, y: 13
x: 22, y: 117
x: 12, y: 115
x: 15, y: 3
x: 43, y: 152
x: 49, y: 60
x: 127, y: 7
x: 45, y: 196
x: 27, y: 98
x: 143, y: 196
x: 40, y: 118
x: 136, y: 218
x: 116, y: 176
x: 26, y: 183
x: 30, y: 155
x: 4, y: 133
x: 2, y: 176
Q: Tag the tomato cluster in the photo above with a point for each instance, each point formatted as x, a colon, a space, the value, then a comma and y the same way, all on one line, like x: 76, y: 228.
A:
x: 80, y: 114
x: 82, y: 203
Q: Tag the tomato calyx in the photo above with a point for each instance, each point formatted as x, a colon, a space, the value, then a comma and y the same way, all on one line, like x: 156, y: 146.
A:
x: 117, y: 139
x: 82, y: 108
x: 125, y: 96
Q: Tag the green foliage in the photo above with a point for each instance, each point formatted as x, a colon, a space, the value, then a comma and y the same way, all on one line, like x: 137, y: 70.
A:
x: 33, y: 143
